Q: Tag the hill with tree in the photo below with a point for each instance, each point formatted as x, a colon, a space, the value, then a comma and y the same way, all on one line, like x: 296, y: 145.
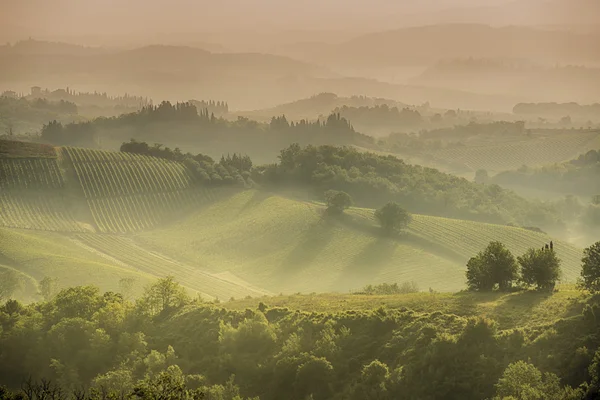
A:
x: 154, y: 211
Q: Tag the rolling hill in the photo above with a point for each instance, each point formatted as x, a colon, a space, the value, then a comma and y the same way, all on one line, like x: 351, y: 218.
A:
x: 131, y: 216
x: 497, y: 154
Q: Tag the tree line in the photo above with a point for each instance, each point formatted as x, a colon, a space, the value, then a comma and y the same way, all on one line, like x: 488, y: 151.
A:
x: 183, y: 123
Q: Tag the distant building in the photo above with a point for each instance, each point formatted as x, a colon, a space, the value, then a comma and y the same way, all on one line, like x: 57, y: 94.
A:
x: 596, y: 199
x: 36, y: 91
x: 10, y: 93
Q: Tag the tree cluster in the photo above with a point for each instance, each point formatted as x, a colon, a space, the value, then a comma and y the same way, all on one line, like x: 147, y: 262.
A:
x: 496, y: 268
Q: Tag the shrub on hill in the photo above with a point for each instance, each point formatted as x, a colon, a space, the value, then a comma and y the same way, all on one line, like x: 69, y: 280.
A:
x: 337, y: 201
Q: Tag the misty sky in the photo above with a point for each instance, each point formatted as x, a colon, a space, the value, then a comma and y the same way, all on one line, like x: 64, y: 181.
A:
x: 85, y: 17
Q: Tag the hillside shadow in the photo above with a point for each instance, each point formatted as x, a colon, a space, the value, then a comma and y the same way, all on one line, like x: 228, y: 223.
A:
x: 312, y: 243
x: 367, y: 264
x: 258, y: 197
x: 516, y: 309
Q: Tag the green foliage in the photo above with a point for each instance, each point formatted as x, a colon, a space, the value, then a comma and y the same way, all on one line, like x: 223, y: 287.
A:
x: 523, y: 381
x: 394, y: 288
x: 337, y: 201
x: 163, y: 296
x: 392, y: 217
x: 590, y: 273
x: 540, y: 268
x: 48, y: 288
x: 495, y: 267
x: 10, y: 282
x: 313, y: 378
x: 116, y: 349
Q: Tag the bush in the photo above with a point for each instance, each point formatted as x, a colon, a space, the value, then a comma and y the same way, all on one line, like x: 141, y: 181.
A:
x: 337, y: 201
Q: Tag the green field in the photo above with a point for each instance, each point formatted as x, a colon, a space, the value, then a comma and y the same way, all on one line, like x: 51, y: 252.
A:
x: 39, y: 254
x: 89, y: 216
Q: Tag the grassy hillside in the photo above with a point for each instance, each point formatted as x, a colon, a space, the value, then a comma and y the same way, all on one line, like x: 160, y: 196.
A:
x: 282, y: 244
x: 466, y: 238
x: 121, y: 215
x: 38, y: 254
x: 127, y: 253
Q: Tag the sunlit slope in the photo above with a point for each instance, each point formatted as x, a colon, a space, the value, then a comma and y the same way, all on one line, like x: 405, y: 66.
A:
x: 466, y: 238
x: 285, y: 245
x: 127, y: 253
x: 128, y: 192
x: 40, y: 254
x: 33, y: 192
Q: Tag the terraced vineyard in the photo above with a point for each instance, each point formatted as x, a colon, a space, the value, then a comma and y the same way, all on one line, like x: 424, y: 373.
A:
x: 514, y: 154
x: 127, y: 192
x: 467, y: 238
x: 33, y: 195
x: 129, y: 254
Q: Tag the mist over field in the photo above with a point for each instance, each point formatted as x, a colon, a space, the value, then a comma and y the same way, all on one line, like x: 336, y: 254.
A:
x: 303, y: 200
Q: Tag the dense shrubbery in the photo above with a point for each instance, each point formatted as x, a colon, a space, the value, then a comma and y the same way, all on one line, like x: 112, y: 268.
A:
x: 373, y: 179
x: 167, y: 344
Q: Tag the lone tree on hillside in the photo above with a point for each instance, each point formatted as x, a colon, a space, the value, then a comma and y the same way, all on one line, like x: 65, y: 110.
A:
x: 392, y: 217
x: 337, y: 201
x: 540, y: 268
x: 590, y: 272
x: 491, y: 268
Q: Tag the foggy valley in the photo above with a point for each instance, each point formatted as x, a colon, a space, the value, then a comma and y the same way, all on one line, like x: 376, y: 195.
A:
x: 299, y: 200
